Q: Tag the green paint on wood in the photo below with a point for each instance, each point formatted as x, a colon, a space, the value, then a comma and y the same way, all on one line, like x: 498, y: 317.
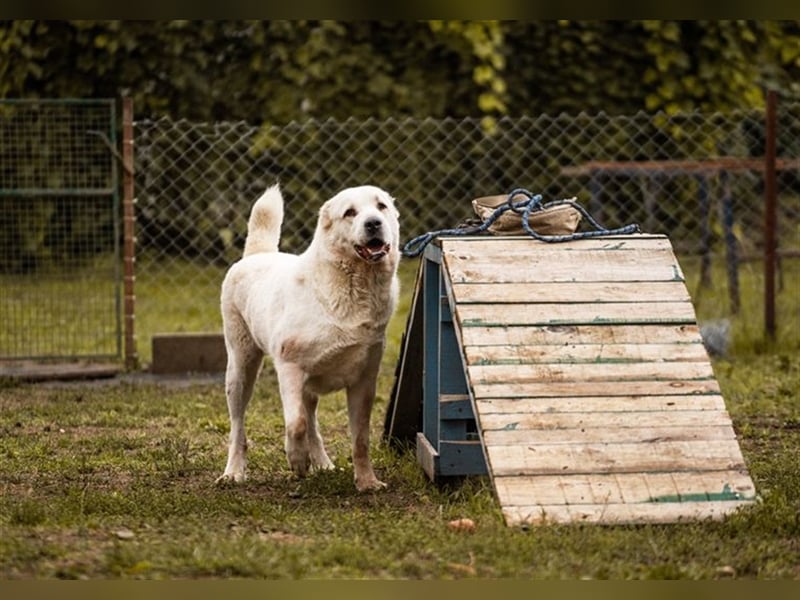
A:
x: 725, y: 495
x: 477, y: 323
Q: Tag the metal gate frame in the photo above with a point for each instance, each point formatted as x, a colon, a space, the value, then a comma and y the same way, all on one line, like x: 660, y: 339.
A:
x: 40, y: 189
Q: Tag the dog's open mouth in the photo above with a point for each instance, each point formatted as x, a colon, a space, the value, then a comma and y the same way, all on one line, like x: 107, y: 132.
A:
x: 374, y: 250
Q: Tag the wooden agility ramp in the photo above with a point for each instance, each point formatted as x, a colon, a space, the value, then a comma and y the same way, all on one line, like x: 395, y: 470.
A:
x: 573, y: 374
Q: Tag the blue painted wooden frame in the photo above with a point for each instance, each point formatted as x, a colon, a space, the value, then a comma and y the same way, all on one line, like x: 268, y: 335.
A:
x: 449, y: 443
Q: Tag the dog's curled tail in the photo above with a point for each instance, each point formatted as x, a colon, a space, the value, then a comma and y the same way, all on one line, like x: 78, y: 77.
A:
x: 264, y: 226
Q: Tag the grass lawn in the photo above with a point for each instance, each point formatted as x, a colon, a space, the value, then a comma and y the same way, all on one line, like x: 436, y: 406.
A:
x: 117, y: 480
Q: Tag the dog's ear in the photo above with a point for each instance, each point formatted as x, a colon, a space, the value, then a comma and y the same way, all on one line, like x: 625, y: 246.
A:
x: 393, y: 205
x: 325, y: 219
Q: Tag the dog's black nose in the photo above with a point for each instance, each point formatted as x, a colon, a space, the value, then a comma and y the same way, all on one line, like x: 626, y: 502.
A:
x: 372, y: 226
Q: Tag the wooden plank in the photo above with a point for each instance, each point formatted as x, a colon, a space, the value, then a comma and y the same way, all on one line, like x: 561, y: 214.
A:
x: 584, y: 372
x: 501, y: 245
x: 557, y: 335
x: 584, y: 270
x: 600, y: 403
x: 572, y: 389
x: 598, y: 435
x: 625, y: 487
x: 611, y: 313
x: 427, y: 456
x: 582, y: 353
x: 516, y: 516
x: 648, y: 253
x: 546, y: 259
x: 602, y: 291
x: 603, y: 419
x: 614, y: 458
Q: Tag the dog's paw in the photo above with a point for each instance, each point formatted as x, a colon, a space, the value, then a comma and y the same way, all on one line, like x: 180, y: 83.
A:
x: 299, y: 463
x: 297, y: 451
x: 230, y: 479
x: 371, y: 484
x: 321, y: 463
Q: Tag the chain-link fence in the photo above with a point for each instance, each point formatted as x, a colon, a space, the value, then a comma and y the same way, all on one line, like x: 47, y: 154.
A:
x: 59, y: 223
x: 699, y: 178
x: 695, y: 177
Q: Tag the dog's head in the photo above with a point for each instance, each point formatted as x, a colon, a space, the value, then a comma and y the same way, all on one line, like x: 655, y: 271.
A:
x: 361, y: 222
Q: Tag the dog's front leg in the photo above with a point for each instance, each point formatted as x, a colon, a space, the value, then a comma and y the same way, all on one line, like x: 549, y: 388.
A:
x: 316, y: 446
x: 290, y: 380
x: 360, y: 397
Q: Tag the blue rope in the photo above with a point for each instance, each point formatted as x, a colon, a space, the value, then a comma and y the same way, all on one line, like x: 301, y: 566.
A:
x: 415, y: 246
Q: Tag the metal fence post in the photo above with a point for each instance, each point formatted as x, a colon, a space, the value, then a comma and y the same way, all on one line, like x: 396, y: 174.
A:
x: 129, y: 239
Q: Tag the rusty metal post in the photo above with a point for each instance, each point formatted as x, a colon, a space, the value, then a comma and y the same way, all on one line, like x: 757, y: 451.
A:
x: 770, y: 215
x: 129, y: 239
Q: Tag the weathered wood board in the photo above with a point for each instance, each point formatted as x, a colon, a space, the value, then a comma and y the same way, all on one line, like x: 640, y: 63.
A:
x: 594, y: 397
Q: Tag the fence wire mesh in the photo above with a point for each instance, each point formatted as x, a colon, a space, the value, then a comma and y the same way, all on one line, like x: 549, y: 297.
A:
x: 59, y: 271
x: 696, y: 177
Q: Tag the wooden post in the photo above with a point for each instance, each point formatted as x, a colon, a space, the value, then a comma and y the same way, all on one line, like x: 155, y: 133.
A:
x: 770, y: 216
x: 129, y: 239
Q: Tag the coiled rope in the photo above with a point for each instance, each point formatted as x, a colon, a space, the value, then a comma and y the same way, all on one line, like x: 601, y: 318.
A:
x: 416, y: 246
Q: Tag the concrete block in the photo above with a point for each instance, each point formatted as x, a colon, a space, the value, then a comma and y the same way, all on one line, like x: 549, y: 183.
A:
x: 188, y: 353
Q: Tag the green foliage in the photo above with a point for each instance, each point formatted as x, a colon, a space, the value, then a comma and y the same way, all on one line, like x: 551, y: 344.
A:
x: 485, y: 40
x: 258, y: 71
x: 278, y: 71
x: 627, y: 66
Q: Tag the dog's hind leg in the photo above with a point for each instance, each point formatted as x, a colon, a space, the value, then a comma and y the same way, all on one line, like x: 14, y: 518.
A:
x: 316, y: 447
x: 290, y: 379
x: 244, y: 363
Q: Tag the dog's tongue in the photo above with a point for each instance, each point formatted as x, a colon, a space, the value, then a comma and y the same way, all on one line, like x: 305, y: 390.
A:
x: 373, y: 251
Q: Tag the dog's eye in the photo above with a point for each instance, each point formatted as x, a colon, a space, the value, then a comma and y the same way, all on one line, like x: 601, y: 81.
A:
x: 350, y: 213
x: 381, y: 206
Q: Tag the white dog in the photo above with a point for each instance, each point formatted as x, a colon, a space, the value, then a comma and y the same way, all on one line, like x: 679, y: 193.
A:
x: 320, y: 315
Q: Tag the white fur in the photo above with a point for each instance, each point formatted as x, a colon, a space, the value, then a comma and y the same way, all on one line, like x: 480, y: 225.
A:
x: 321, y: 316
